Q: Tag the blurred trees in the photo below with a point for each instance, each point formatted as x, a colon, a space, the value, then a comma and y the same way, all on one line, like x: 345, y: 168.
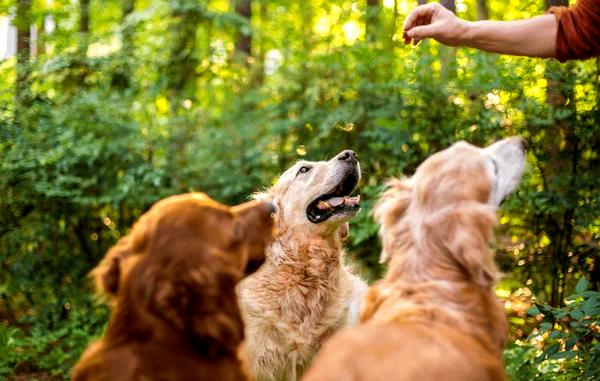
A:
x: 131, y: 101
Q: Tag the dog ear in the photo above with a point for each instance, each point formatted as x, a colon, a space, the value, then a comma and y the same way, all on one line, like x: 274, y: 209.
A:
x: 465, y: 234
x: 390, y: 209
x: 107, y: 275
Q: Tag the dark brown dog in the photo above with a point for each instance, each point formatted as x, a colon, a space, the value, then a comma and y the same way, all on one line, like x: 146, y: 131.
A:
x: 172, y: 282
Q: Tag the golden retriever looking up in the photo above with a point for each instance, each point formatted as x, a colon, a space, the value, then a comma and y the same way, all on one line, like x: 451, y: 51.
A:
x: 175, y: 314
x: 434, y: 316
x: 303, y: 293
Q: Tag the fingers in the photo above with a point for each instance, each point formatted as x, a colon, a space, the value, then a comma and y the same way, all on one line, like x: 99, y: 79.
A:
x: 421, y: 32
x: 419, y: 14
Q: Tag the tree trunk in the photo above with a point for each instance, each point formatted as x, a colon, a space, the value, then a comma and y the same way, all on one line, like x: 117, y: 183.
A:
x: 422, y: 2
x: 243, y: 43
x: 84, y: 17
x: 127, y: 7
x: 181, y: 67
x: 394, y: 19
x: 448, y: 54
x: 258, y: 72
x: 482, y: 10
x: 372, y: 20
x: 40, y: 45
x: 121, y: 78
x: 307, y: 41
x: 561, y: 144
x: 23, y: 24
x: 84, y: 23
x: 449, y: 4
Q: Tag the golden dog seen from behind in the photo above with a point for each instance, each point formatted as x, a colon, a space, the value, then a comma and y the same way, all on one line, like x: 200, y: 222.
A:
x: 434, y: 316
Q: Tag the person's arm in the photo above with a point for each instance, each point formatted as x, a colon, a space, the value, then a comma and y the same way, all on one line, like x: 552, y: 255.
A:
x: 535, y: 37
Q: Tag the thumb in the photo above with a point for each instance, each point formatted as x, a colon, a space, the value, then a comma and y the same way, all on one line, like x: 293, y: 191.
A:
x: 423, y: 31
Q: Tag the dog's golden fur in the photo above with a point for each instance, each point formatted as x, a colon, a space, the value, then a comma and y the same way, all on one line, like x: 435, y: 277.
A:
x: 434, y: 316
x: 172, y: 285
x: 304, y: 292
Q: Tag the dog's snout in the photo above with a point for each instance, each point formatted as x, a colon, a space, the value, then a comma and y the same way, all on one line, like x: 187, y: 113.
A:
x: 347, y: 155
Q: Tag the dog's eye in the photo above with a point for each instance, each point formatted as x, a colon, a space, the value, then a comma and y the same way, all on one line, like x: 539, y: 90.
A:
x: 303, y: 170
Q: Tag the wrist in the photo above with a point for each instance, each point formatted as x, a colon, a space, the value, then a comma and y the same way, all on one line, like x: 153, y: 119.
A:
x: 466, y: 32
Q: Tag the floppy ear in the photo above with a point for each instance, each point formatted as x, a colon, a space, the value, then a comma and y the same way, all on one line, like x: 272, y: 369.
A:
x: 390, y: 209
x: 197, y: 295
x: 464, y: 234
x: 107, y: 275
x: 254, y: 225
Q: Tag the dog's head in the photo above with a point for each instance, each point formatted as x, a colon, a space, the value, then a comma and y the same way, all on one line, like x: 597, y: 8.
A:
x: 450, y: 203
x: 180, y: 264
x: 317, y: 196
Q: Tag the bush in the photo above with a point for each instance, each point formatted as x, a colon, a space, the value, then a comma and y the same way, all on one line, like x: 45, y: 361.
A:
x: 565, y: 345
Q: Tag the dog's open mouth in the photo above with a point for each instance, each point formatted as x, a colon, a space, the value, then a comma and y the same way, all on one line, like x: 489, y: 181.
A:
x: 338, y: 201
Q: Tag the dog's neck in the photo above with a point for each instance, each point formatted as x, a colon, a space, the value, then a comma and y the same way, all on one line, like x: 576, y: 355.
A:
x: 297, y: 248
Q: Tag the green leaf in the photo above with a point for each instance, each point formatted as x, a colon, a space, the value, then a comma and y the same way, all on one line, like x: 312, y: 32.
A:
x: 577, y: 314
x: 591, y: 307
x: 570, y: 343
x: 562, y: 355
x: 534, y: 310
x: 547, y: 311
x: 552, y: 349
x: 544, y: 326
x: 582, y: 285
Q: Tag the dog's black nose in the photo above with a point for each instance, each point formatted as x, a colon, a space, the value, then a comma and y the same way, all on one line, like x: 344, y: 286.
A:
x: 347, y: 155
x: 272, y: 207
x: 524, y: 144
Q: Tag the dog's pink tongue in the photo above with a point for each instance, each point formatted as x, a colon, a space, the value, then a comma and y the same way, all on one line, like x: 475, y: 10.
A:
x: 337, y: 201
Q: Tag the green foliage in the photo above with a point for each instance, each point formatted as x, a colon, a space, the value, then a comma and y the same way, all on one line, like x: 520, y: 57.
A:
x: 565, y: 345
x: 152, y: 102
x: 34, y: 347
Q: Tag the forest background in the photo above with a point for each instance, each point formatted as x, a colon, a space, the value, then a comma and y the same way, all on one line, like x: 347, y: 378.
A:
x: 110, y: 105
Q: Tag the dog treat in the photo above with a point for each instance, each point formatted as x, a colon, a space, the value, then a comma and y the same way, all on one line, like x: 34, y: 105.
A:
x: 323, y: 205
x: 351, y: 200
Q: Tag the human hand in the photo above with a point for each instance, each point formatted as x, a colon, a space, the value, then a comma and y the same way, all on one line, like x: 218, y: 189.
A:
x: 433, y: 21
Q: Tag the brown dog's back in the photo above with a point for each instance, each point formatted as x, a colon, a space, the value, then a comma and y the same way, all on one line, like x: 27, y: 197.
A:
x: 153, y: 362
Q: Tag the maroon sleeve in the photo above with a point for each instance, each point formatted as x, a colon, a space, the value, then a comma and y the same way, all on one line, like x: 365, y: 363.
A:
x: 578, y: 35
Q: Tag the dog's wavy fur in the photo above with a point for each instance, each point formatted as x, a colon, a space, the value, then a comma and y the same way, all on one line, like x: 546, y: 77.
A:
x: 434, y: 316
x: 303, y: 294
x: 171, y: 283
